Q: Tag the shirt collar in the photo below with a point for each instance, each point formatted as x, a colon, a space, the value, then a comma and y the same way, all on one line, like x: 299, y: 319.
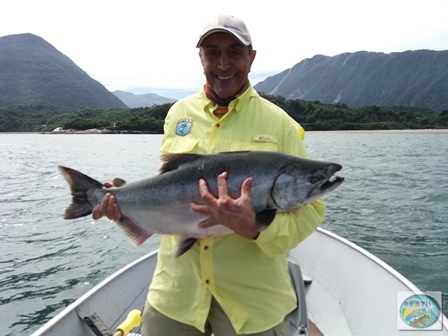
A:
x: 235, y: 104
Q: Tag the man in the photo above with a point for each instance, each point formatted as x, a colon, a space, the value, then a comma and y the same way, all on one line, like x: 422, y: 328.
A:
x: 239, y: 283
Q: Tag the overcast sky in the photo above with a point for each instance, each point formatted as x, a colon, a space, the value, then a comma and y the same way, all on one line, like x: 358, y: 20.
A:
x: 149, y: 46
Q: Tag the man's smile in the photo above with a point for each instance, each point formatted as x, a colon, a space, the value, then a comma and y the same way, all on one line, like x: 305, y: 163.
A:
x: 225, y: 77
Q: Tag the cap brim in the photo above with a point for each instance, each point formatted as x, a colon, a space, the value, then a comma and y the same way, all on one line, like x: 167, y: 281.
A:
x: 221, y: 30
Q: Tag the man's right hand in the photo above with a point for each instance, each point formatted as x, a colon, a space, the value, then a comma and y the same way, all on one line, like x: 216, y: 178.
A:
x: 108, y: 207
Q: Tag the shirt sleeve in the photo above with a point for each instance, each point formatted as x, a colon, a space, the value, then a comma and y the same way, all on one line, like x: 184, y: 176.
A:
x: 290, y: 228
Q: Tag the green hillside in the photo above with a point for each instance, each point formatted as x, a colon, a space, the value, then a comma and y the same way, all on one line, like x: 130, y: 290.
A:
x: 33, y: 72
x: 412, y: 78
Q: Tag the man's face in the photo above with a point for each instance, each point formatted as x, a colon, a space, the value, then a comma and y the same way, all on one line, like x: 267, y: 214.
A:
x: 226, y: 64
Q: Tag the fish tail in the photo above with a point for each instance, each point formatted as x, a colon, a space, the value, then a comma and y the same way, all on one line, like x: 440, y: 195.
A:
x: 81, y: 186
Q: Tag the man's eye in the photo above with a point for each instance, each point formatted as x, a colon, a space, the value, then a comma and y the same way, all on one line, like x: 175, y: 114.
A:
x: 211, y: 53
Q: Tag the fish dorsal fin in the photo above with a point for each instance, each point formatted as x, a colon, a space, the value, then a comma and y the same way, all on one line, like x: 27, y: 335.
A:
x: 173, y: 161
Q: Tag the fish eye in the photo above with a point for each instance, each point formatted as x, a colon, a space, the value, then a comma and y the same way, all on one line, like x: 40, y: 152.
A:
x: 314, y: 180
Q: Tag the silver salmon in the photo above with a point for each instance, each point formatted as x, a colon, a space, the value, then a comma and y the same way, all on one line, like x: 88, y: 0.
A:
x: 161, y: 204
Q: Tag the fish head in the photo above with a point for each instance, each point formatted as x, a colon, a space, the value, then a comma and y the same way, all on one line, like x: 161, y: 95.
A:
x: 302, y: 182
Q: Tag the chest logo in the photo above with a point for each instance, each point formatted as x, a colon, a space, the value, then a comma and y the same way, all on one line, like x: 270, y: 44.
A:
x: 183, y: 126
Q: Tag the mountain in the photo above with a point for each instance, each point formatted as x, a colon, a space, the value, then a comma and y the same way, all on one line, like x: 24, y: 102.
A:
x: 142, y: 100
x: 410, y: 78
x: 33, y: 72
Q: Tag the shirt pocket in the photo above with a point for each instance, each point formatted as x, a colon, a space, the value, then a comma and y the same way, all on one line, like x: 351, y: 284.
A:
x: 183, y: 145
x: 257, y: 143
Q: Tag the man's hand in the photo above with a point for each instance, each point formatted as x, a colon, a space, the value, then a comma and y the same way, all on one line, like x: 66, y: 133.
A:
x: 237, y: 214
x: 108, y: 207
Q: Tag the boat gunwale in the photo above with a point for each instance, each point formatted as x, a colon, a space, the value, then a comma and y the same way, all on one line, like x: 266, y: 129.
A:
x: 83, y: 298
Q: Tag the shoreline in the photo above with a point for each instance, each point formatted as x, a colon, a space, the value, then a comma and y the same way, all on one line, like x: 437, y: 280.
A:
x: 397, y: 131
x: 393, y: 131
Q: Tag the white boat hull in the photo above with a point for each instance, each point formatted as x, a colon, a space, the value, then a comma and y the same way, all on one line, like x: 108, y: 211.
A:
x: 348, y: 292
x: 352, y: 291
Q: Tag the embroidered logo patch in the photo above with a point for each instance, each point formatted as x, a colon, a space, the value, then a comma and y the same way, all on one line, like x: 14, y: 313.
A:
x: 183, y: 126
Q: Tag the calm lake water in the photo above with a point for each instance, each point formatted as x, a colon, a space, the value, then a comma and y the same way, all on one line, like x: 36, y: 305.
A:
x: 394, y: 203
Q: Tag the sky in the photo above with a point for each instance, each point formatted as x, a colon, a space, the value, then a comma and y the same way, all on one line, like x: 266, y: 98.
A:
x: 150, y: 46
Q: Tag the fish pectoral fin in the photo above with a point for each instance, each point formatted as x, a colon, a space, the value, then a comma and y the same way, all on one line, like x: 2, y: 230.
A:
x: 133, y: 230
x: 264, y: 218
x: 184, y: 246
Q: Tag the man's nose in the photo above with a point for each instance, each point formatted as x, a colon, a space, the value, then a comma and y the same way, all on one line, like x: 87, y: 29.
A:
x: 224, y: 62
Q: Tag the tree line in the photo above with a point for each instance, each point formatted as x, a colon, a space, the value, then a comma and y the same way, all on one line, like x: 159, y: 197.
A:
x: 311, y: 115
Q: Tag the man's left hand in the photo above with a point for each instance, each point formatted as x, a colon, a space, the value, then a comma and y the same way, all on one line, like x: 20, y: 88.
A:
x: 235, y: 213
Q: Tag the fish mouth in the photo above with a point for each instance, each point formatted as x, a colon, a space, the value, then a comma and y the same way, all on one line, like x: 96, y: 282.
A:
x: 332, y: 184
x: 332, y: 181
x: 324, y: 188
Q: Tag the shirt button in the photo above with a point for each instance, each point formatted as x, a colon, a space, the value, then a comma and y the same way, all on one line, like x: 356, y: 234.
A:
x: 206, y: 248
x: 207, y: 281
x: 217, y: 125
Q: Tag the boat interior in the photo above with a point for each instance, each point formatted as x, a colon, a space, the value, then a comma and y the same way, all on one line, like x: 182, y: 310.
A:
x: 299, y: 324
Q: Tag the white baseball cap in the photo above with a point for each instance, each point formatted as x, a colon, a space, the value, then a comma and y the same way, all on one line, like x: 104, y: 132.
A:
x: 226, y: 24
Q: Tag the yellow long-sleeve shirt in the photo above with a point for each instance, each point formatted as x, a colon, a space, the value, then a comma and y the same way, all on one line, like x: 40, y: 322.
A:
x: 248, y: 278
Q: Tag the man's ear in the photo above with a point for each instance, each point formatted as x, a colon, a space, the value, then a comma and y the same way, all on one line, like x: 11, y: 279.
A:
x: 252, y: 56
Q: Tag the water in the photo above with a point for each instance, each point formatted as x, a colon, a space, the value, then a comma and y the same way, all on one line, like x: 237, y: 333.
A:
x: 393, y: 203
